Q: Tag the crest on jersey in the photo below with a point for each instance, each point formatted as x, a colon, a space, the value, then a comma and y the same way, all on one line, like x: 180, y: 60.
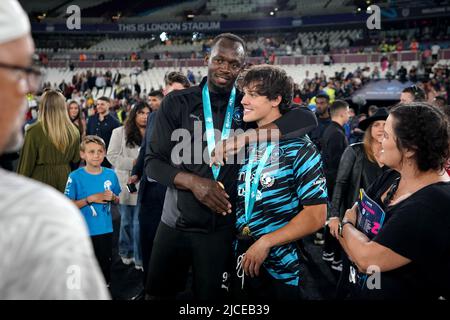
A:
x: 238, y: 115
x: 267, y: 180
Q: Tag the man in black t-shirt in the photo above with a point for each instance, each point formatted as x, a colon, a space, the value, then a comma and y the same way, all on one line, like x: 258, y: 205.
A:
x: 323, y: 119
x: 102, y: 124
x: 333, y: 144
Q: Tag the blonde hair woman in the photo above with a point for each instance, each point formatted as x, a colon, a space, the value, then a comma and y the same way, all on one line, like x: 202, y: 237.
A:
x: 51, y: 145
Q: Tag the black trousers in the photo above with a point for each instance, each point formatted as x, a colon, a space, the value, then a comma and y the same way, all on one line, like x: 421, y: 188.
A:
x: 103, y: 251
x: 151, y: 202
x: 175, y: 251
x: 332, y: 245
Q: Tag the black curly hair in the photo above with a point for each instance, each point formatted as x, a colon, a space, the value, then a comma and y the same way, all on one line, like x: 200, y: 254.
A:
x: 230, y: 37
x: 425, y: 129
x: 132, y: 133
x: 271, y: 82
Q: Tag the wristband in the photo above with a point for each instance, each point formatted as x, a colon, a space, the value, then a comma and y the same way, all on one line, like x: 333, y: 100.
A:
x: 341, y: 227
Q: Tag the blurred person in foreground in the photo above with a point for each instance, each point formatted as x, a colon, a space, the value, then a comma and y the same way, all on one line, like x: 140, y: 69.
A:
x: 46, y: 250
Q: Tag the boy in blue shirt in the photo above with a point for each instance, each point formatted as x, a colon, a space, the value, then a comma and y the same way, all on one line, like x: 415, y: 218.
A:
x: 93, y: 189
x: 282, y: 195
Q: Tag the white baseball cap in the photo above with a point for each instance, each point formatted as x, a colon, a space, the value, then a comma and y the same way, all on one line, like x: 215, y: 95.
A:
x: 14, y: 21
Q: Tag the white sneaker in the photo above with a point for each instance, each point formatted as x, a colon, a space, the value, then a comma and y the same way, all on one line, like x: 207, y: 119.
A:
x: 127, y: 261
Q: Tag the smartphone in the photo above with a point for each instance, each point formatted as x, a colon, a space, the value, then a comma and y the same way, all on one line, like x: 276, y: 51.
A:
x: 131, y: 187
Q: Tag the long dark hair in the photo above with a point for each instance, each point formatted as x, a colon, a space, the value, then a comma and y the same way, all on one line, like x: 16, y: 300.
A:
x: 132, y: 133
x: 78, y: 121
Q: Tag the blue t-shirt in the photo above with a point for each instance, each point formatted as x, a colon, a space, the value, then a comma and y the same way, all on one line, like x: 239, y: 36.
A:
x: 291, y: 178
x: 82, y: 184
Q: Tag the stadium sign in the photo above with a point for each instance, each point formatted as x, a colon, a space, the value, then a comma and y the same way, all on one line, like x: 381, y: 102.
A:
x: 235, y: 25
x: 170, y: 26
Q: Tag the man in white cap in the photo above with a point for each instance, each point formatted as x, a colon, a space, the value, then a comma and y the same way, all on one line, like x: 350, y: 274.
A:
x: 45, y: 248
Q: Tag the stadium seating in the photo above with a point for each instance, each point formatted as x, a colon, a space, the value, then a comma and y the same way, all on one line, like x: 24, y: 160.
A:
x: 120, y: 45
x: 154, y: 78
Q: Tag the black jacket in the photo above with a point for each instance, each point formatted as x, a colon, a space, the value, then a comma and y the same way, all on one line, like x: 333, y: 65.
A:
x: 317, y: 133
x: 138, y: 168
x: 7, y: 160
x: 333, y: 144
x: 355, y: 172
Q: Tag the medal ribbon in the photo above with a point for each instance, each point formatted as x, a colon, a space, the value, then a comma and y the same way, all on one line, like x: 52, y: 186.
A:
x: 209, y: 125
x: 251, y: 187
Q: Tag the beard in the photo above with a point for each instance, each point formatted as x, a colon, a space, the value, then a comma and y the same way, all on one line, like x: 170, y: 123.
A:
x: 321, y: 112
x: 14, y: 143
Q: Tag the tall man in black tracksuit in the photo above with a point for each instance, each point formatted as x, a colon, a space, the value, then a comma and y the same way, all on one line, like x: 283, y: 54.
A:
x: 151, y: 193
x: 197, y: 224
x: 334, y: 141
x: 333, y: 144
x: 323, y: 121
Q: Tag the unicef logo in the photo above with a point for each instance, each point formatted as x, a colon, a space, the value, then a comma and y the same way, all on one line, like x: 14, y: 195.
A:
x: 107, y: 185
x: 238, y: 116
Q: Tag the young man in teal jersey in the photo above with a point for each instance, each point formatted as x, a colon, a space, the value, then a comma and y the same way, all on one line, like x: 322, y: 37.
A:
x: 282, y: 195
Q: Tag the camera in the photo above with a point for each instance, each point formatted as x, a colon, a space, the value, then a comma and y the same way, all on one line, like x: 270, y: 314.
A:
x: 131, y: 187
